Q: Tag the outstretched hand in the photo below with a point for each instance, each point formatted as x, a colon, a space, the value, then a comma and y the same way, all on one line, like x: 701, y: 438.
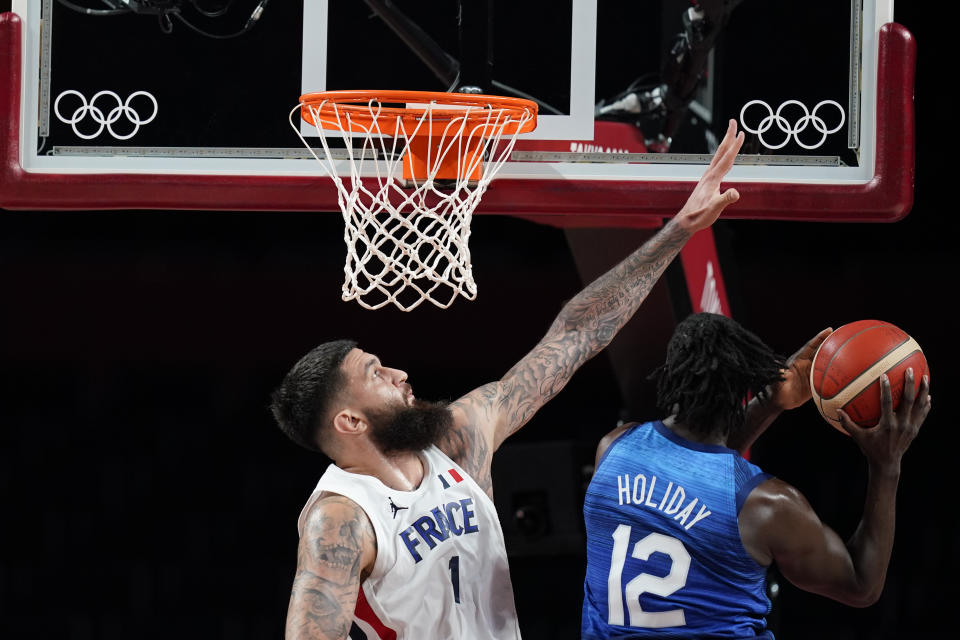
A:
x: 794, y: 389
x: 886, y: 443
x: 706, y: 203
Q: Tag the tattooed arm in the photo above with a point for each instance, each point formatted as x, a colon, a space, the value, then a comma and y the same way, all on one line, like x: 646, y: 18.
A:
x: 485, y: 417
x: 337, y: 550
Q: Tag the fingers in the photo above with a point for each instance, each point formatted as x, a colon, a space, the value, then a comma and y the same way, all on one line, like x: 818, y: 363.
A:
x: 921, y: 406
x: 725, y: 144
x: 727, y: 152
x: 717, y: 204
x: 909, y: 394
x: 851, y: 427
x: 807, y: 351
x: 729, y: 196
x: 715, y: 174
x: 735, y: 144
x: 886, y: 398
x: 706, y: 203
x: 887, y: 442
x: 814, y: 343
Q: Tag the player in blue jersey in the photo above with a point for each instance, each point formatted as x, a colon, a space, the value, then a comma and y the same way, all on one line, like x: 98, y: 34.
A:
x: 681, y: 528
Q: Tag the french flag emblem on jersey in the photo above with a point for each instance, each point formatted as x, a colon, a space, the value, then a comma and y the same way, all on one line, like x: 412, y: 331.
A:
x: 450, y: 477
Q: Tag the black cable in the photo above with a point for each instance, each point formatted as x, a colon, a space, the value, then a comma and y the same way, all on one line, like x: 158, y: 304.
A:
x: 166, y: 24
x: 636, y: 84
x: 92, y: 12
x: 517, y: 92
x: 442, y: 64
x: 207, y: 34
x: 211, y: 14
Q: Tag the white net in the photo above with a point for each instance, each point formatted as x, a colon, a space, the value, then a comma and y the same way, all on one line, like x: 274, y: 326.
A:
x: 407, y: 240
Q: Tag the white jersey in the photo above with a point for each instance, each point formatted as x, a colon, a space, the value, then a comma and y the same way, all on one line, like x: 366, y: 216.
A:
x: 441, y: 570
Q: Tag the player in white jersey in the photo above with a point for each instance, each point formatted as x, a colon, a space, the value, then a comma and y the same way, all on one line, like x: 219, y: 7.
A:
x: 384, y: 552
x: 448, y: 573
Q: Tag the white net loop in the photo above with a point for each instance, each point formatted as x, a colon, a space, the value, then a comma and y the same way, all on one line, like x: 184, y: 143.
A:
x: 407, y: 241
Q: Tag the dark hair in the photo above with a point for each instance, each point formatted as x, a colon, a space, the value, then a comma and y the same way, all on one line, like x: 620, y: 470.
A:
x: 712, y: 364
x: 301, y: 403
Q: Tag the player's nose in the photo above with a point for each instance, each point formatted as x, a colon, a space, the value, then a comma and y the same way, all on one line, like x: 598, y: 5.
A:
x: 398, y: 376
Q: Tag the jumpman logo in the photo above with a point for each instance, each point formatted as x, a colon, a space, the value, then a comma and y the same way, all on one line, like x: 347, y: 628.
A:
x: 395, y: 508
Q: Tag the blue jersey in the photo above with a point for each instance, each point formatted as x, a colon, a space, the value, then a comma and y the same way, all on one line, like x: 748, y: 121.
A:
x: 664, y: 554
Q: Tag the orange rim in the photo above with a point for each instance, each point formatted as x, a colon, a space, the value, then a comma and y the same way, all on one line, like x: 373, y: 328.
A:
x: 321, y: 108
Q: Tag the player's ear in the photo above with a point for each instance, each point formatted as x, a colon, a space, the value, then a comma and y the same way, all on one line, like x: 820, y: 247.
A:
x: 349, y: 422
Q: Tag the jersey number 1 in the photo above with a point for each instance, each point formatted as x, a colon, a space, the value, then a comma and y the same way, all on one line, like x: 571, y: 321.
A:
x: 455, y: 577
x: 645, y: 583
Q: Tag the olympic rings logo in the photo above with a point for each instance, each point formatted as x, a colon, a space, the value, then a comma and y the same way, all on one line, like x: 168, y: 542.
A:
x: 792, y: 131
x: 122, y: 109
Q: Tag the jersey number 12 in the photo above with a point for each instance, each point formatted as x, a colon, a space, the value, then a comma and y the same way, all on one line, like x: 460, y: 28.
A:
x: 645, y: 583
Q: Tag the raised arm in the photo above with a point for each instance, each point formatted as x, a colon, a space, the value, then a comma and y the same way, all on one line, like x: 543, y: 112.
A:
x: 778, y: 524
x: 337, y: 549
x: 585, y: 325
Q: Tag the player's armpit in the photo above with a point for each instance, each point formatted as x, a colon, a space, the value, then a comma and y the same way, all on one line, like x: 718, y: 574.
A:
x: 778, y: 524
x: 488, y: 415
x: 469, y: 442
x: 485, y: 417
x: 337, y: 548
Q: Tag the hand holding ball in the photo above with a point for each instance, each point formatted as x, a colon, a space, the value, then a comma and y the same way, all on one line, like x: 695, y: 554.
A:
x: 847, y: 368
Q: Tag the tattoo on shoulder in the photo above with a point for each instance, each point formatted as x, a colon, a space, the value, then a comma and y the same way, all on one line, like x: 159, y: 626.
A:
x: 329, y: 567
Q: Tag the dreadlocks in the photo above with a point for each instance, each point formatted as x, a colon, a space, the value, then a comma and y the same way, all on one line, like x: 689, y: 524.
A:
x: 712, y: 364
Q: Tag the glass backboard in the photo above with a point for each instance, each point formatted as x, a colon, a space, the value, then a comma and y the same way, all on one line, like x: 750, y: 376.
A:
x: 183, y: 104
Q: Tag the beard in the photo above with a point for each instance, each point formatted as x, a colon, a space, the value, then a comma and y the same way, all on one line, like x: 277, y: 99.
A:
x: 409, y: 429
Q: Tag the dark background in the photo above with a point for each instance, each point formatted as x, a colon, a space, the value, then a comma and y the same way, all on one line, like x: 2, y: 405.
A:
x: 146, y: 493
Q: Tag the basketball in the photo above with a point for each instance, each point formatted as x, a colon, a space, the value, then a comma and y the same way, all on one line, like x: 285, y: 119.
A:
x: 847, y: 368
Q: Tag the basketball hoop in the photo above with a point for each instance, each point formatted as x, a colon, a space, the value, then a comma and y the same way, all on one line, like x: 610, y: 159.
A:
x: 415, y: 165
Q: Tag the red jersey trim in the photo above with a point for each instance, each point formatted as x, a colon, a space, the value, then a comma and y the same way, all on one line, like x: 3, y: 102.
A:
x: 365, y: 613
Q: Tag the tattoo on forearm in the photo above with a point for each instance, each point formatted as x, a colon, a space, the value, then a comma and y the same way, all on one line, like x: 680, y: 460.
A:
x: 329, y: 564
x: 586, y: 325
